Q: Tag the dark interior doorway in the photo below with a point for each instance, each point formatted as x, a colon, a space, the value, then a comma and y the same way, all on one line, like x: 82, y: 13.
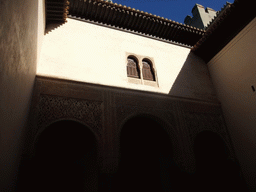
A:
x: 66, y: 158
x: 146, y: 156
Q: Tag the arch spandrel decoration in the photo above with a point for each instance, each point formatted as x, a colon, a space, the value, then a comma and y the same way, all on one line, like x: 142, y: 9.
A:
x: 53, y: 108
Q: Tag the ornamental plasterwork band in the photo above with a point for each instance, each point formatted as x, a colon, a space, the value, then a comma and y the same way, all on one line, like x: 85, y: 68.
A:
x: 54, y: 108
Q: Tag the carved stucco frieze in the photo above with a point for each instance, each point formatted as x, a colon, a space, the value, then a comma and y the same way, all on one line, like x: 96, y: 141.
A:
x: 53, y: 108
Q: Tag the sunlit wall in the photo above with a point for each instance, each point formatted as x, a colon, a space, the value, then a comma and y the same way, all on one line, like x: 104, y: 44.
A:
x: 92, y: 53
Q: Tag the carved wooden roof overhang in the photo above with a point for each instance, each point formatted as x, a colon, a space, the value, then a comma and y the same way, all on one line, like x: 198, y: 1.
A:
x: 224, y: 28
x: 56, y: 11
x: 122, y: 17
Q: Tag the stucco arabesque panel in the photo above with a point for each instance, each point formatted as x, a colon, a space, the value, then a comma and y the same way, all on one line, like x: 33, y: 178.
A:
x: 53, y: 108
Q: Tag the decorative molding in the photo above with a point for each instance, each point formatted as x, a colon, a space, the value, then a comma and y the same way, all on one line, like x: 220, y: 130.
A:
x: 53, y: 108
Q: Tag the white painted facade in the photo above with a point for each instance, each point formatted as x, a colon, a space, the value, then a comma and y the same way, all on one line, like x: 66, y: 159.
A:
x: 91, y: 53
x: 41, y: 26
x: 233, y: 72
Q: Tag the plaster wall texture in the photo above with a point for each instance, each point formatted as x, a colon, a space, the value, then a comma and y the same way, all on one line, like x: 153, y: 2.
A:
x: 91, y: 53
x: 41, y: 26
x: 18, y: 60
x: 233, y: 72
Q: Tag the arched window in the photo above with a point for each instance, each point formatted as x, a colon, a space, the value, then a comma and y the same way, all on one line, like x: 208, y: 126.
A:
x: 147, y: 70
x: 132, y: 68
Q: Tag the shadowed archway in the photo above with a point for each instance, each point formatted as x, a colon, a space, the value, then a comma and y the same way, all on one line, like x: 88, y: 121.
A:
x: 146, y: 157
x: 214, y: 170
x: 66, y: 158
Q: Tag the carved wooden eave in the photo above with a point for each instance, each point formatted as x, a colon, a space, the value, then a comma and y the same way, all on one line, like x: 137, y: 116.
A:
x: 122, y: 17
x: 56, y: 11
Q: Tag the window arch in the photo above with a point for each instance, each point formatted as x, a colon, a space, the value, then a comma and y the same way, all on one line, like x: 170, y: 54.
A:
x: 132, y: 67
x: 147, y: 70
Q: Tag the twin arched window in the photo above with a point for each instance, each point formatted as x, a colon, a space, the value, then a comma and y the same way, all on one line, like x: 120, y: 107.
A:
x: 133, y: 69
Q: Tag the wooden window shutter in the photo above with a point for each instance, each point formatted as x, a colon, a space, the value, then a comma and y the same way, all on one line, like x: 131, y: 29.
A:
x: 147, y: 71
x: 132, y: 68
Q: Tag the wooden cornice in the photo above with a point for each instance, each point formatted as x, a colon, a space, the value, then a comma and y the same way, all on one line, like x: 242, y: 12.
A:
x: 123, y: 17
x: 56, y: 11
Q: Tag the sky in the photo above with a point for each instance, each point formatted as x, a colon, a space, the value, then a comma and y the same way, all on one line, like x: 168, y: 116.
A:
x: 175, y: 10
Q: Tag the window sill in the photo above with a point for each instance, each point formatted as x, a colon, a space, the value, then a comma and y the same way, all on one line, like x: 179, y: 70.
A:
x: 150, y: 83
x: 142, y: 82
x: 134, y: 80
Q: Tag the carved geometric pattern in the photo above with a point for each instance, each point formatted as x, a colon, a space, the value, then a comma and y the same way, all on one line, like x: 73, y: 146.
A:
x: 52, y: 108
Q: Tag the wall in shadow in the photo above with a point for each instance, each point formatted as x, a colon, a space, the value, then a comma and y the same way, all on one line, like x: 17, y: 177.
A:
x: 194, y: 80
x: 136, y: 152
x: 214, y: 171
x: 146, y: 162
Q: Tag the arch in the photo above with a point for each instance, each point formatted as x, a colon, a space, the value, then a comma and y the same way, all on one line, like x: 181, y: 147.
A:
x: 148, y: 70
x: 168, y: 127
x: 214, y: 171
x: 150, y: 116
x: 133, y: 67
x: 146, y: 156
x: 48, y: 124
x: 66, y: 157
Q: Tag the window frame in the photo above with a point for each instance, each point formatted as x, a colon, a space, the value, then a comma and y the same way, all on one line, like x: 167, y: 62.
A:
x: 131, y: 69
x: 148, y: 73
x: 142, y: 80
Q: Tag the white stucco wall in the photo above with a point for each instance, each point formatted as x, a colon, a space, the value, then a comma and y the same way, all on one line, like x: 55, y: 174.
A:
x: 41, y: 26
x: 18, y: 61
x: 91, y: 53
x: 233, y: 71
